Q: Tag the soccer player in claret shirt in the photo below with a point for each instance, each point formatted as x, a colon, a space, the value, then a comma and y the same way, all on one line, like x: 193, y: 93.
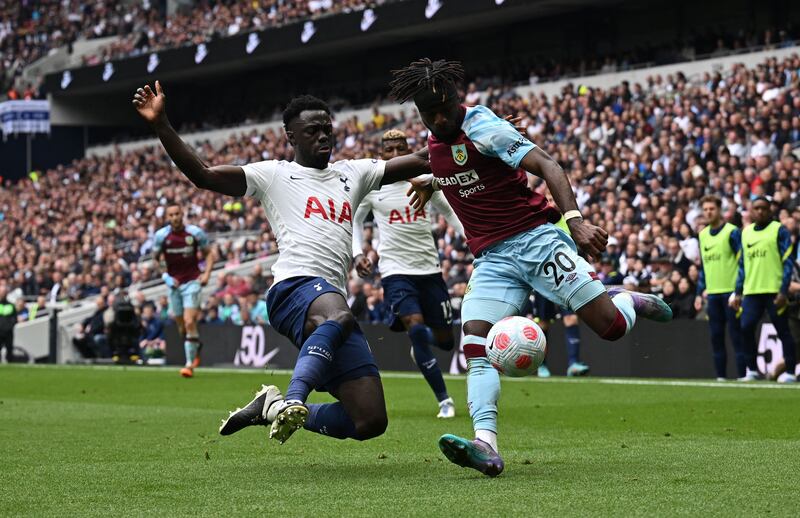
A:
x: 179, y: 245
x: 479, y: 161
x: 411, y: 274
x: 309, y: 203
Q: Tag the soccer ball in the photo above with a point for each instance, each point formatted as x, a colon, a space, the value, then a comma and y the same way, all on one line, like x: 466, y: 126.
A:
x: 516, y: 346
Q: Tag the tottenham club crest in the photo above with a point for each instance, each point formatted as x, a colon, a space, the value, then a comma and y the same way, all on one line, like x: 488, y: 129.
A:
x: 459, y: 154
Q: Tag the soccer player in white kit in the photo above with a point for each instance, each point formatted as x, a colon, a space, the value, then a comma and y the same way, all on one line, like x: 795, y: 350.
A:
x: 309, y: 203
x: 411, y: 273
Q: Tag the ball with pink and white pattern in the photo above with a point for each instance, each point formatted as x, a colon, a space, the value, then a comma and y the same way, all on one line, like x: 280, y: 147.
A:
x: 516, y: 346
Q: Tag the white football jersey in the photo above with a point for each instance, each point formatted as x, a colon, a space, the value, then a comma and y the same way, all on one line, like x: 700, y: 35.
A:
x: 405, y: 242
x: 311, y: 213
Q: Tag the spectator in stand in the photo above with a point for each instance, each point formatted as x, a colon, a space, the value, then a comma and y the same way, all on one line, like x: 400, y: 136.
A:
x: 212, y: 316
x: 607, y: 274
x: 257, y: 307
x: 244, y: 316
x: 258, y: 283
x: 683, y: 304
x: 90, y: 338
x: 162, y: 308
x: 151, y: 341
x: 229, y: 311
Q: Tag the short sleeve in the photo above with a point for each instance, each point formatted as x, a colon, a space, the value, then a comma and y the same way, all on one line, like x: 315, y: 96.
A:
x: 496, y: 137
x: 200, y: 235
x: 158, y: 239
x: 259, y: 176
x: 370, y: 173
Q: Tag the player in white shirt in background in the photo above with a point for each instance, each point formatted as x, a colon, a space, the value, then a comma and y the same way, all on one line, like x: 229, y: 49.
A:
x: 309, y: 203
x: 411, y: 273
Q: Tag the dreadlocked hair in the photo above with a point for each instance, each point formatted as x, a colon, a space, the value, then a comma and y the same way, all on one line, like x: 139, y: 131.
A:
x: 425, y: 75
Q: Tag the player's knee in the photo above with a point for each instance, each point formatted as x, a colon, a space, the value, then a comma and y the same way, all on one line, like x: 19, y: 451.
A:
x: 342, y: 317
x: 412, y: 320
x: 371, y: 426
x: 477, y: 328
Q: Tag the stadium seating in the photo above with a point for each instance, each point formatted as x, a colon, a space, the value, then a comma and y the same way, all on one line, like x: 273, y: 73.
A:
x: 29, y: 30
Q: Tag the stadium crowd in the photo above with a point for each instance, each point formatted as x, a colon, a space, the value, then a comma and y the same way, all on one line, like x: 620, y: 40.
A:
x: 212, y: 19
x: 640, y: 157
x: 30, y: 29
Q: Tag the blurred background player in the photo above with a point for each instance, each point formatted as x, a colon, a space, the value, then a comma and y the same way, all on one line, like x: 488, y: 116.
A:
x: 479, y: 162
x: 720, y: 246
x: 762, y: 285
x: 180, y: 247
x: 410, y: 271
x: 545, y: 313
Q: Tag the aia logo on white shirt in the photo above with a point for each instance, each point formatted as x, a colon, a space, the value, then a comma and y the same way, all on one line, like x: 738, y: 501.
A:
x: 397, y: 217
x: 341, y: 214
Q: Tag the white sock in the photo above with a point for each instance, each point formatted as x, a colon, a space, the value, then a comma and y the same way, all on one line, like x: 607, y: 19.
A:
x: 489, y: 437
x: 624, y: 303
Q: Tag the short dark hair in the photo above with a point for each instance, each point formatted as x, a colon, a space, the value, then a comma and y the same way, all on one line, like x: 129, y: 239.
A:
x: 301, y: 104
x: 710, y: 198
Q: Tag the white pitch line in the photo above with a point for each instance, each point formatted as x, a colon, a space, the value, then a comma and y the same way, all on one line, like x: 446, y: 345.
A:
x: 412, y: 375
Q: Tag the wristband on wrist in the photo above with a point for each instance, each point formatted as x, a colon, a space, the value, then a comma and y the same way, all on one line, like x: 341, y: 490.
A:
x: 572, y: 214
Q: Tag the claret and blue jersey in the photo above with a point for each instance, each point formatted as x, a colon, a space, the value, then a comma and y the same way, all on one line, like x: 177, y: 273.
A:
x: 180, y: 250
x: 480, y: 176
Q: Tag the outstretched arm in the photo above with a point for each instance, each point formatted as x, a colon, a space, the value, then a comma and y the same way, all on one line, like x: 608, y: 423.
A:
x: 589, y: 238
x: 224, y: 179
x: 406, y: 167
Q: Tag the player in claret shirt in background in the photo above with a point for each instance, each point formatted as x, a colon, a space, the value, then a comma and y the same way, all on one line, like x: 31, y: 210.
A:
x: 410, y: 271
x: 309, y: 203
x: 180, y: 245
x: 479, y: 162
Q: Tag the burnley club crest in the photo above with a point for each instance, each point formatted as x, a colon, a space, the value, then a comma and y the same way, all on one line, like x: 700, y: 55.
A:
x: 459, y: 154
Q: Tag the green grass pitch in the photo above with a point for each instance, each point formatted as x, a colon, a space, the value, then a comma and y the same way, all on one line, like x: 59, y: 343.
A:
x: 120, y: 442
